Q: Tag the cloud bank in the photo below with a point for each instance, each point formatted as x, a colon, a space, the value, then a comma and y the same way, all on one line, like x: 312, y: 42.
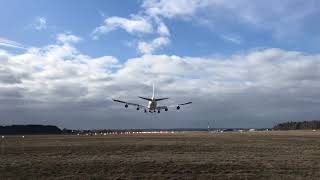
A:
x: 60, y: 85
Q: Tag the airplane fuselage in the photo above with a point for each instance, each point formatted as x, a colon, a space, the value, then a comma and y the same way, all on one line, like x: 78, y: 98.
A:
x: 152, y: 105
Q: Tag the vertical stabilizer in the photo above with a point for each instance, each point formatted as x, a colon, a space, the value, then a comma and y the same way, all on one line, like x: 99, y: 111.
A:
x: 152, y: 90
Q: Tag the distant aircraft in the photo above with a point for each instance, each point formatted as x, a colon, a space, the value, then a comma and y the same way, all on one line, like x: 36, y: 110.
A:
x: 152, y: 104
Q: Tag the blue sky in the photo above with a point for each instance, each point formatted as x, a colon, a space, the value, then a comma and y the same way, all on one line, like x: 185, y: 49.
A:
x: 226, y: 56
x: 190, y: 36
x: 19, y: 17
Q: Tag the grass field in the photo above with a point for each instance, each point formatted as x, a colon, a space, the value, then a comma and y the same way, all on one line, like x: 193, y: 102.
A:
x: 232, y: 155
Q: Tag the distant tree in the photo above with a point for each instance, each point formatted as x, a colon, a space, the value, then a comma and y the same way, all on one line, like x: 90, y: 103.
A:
x: 298, y: 125
x: 29, y: 129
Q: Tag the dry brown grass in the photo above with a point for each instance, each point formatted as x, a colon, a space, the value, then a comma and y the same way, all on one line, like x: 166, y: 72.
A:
x: 249, y: 155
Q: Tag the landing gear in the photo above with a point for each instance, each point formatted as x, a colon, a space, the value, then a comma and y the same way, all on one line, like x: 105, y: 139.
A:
x: 126, y: 106
x: 138, y: 108
x: 178, y: 107
x: 166, y: 109
x: 158, y: 111
x: 145, y: 111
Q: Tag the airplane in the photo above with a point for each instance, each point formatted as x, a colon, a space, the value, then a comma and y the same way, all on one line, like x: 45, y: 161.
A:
x: 152, y: 104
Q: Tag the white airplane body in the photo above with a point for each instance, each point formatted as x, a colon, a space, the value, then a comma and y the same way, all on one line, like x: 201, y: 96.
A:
x: 152, y: 104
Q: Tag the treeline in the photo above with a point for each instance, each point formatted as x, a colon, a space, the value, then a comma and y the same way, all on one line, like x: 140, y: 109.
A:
x: 29, y: 129
x: 298, y: 125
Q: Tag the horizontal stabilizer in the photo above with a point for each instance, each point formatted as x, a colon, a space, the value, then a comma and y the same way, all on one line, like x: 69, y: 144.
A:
x: 160, y: 99
x: 148, y: 99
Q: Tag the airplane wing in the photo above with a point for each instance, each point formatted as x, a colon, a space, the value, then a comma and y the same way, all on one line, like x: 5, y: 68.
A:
x: 128, y: 103
x: 184, y: 104
x: 162, y: 107
x: 178, y: 105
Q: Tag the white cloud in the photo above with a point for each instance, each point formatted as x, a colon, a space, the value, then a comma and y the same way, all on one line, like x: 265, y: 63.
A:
x: 163, y: 29
x: 135, y: 24
x: 249, y: 10
x: 232, y: 38
x: 150, y: 47
x: 267, y: 70
x: 11, y: 44
x: 44, y: 74
x: 40, y: 23
x: 171, y: 9
x: 68, y: 38
x: 272, y: 15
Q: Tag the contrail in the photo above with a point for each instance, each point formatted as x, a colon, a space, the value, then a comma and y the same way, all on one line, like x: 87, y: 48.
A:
x: 11, y: 44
